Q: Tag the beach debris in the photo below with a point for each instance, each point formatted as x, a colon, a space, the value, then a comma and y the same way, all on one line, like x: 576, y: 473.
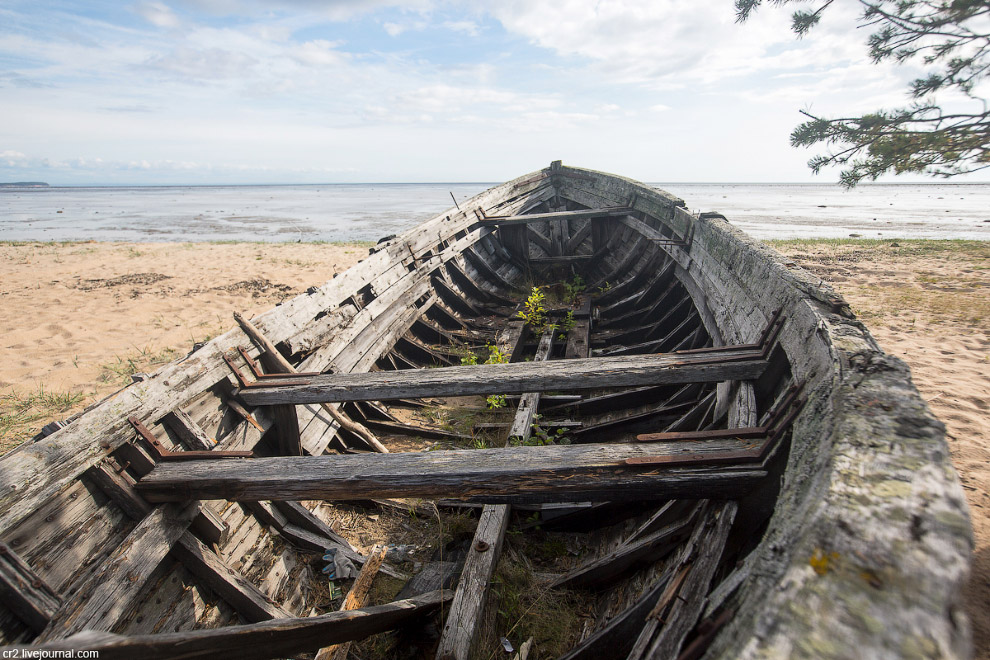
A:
x: 507, y: 645
x: 339, y: 566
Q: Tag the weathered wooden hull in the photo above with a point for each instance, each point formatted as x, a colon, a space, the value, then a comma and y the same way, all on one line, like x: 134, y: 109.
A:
x: 830, y: 525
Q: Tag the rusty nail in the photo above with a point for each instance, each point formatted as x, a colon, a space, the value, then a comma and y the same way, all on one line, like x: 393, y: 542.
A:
x: 481, y: 546
x: 36, y: 583
x: 3, y: 548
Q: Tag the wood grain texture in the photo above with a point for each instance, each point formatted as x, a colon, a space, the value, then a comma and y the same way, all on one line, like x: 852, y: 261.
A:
x: 588, y: 472
x: 515, y: 378
x: 107, y: 596
x: 258, y: 641
x: 24, y: 592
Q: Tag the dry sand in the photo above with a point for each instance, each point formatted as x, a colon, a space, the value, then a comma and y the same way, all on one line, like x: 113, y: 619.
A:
x: 78, y: 318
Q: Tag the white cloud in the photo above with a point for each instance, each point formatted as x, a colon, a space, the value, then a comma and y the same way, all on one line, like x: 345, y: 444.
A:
x: 659, y: 107
x: 468, y: 27
x: 157, y: 14
x: 318, y: 53
x: 393, y: 29
x: 205, y: 64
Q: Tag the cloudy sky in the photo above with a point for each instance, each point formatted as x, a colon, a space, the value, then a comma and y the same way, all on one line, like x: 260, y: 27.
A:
x: 306, y: 91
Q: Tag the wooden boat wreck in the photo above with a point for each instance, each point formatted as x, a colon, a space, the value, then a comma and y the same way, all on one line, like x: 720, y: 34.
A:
x: 715, y: 458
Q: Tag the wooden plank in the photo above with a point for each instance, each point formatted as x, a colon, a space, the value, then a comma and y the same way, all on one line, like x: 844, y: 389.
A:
x: 24, y: 592
x: 665, y: 641
x: 355, y: 599
x: 289, y: 438
x: 624, y: 371
x: 108, y: 594
x: 461, y: 626
x: 587, y: 472
x: 246, y: 599
x: 495, y: 221
x: 258, y: 641
x: 605, y: 570
x: 189, y: 432
x: 462, y: 623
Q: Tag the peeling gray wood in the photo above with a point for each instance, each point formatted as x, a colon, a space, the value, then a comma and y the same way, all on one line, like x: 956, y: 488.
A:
x: 514, y: 378
x: 592, y: 472
x: 100, y: 603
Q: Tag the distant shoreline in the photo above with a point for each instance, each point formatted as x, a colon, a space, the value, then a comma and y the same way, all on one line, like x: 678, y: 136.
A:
x: 25, y: 184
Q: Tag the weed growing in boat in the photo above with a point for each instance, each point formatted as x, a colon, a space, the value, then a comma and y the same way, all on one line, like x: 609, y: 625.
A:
x: 496, y: 356
x: 605, y: 288
x: 540, y: 437
x: 573, y: 289
x: 567, y: 325
x: 534, y: 310
x: 496, y: 401
x: 525, y: 607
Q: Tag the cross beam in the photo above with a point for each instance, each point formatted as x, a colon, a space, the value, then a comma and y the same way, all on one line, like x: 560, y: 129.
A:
x: 503, y: 220
x: 622, y: 371
x: 577, y: 473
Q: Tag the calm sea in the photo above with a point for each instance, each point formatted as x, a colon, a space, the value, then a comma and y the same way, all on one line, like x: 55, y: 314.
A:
x: 345, y: 212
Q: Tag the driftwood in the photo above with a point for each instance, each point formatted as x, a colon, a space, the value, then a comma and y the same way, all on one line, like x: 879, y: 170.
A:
x: 258, y: 641
x: 515, y: 378
x: 593, y: 472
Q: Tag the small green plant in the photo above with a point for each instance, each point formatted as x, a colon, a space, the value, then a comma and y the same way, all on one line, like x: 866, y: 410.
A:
x: 495, y: 401
x: 573, y: 289
x: 534, y: 310
x: 567, y: 325
x: 496, y: 356
x: 541, y: 437
x: 605, y: 288
x: 469, y: 360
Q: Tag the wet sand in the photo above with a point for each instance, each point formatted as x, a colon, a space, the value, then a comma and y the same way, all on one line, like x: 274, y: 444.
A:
x: 78, y: 318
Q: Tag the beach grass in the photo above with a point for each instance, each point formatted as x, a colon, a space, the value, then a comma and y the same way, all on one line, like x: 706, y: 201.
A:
x: 951, y: 286
x: 22, y: 413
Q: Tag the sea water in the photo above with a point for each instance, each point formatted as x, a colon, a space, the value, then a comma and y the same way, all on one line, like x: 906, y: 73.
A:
x: 351, y: 212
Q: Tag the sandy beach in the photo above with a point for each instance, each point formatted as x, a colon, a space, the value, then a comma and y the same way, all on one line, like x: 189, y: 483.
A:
x: 79, y: 318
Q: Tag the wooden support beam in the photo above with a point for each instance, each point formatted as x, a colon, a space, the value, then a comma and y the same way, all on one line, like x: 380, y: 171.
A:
x: 355, y: 599
x: 259, y: 641
x: 464, y: 618
x: 498, y: 221
x: 279, y: 364
x: 664, y: 640
x: 189, y: 432
x: 246, y: 599
x: 110, y: 591
x: 625, y: 371
x: 577, y: 473
x: 24, y: 592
